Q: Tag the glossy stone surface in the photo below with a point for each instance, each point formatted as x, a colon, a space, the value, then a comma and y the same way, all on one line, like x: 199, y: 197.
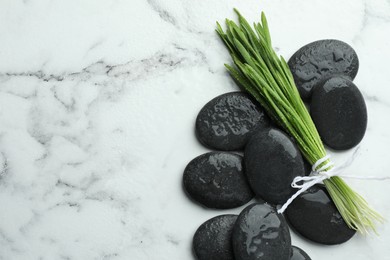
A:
x: 306, y: 166
x: 339, y: 113
x: 212, y: 240
x: 314, y: 215
x: 227, y: 121
x: 261, y: 233
x: 217, y: 180
x: 298, y: 254
x: 272, y: 161
x: 319, y: 60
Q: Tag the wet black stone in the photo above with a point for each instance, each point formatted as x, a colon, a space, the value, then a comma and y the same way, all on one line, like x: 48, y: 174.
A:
x: 298, y: 254
x: 307, y: 166
x: 314, y: 215
x: 261, y: 233
x: 272, y: 161
x: 217, y: 180
x: 212, y: 240
x: 319, y: 60
x: 339, y: 113
x: 227, y: 121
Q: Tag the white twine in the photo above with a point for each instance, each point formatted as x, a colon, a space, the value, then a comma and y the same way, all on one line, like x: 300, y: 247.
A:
x: 319, y: 175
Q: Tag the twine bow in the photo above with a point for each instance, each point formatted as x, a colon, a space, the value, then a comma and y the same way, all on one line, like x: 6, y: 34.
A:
x: 326, y: 171
x: 303, y: 183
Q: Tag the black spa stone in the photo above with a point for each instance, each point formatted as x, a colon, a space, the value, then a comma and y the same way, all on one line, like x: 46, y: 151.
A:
x: 212, y: 240
x: 306, y: 166
x: 314, y: 215
x: 339, y: 113
x: 298, y: 254
x: 319, y: 60
x: 227, y: 121
x: 216, y: 180
x: 261, y: 233
x: 272, y: 161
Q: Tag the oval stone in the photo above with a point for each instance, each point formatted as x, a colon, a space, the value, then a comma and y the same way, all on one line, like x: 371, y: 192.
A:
x: 261, y: 233
x: 298, y: 254
x: 227, y: 121
x: 319, y: 60
x: 339, y: 113
x: 272, y: 161
x: 314, y: 215
x: 212, y: 240
x: 216, y: 180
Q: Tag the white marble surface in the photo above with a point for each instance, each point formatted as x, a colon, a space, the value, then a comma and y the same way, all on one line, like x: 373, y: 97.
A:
x: 97, y: 108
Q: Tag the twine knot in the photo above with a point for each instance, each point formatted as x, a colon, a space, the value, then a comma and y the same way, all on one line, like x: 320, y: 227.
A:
x: 325, y: 171
x: 303, y: 183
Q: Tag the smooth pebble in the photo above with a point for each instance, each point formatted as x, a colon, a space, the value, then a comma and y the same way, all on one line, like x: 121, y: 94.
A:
x: 314, y: 215
x: 227, y: 121
x: 261, y: 233
x: 212, y: 240
x: 272, y: 161
x: 339, y: 113
x: 216, y: 180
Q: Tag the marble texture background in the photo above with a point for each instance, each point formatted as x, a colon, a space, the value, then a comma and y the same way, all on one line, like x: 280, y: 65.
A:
x: 97, y: 107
